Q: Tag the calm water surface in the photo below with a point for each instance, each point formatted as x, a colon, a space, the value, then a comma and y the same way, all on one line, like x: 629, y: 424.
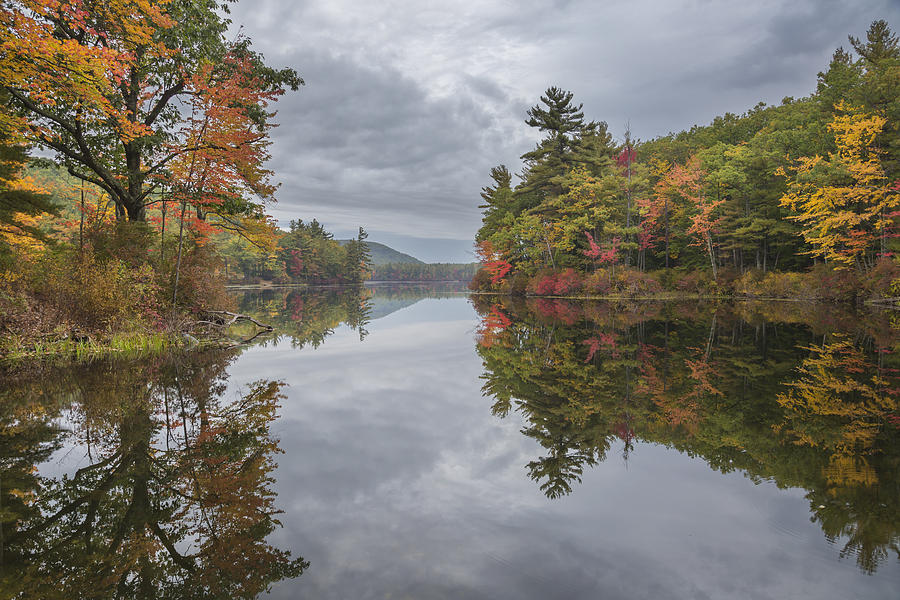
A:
x: 416, y: 443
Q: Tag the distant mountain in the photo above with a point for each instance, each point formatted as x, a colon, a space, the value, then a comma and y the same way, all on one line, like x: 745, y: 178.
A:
x: 382, y: 255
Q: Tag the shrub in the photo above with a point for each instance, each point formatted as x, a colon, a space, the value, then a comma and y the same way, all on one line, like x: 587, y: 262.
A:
x: 516, y: 285
x: 567, y: 282
x: 833, y: 284
x: 821, y: 283
x: 96, y: 295
x: 879, y: 281
x: 543, y: 283
x: 748, y: 284
x: 548, y: 282
x: 691, y: 282
x: 756, y: 284
x: 635, y: 283
x: 201, y: 284
x: 481, y: 281
x: 598, y: 283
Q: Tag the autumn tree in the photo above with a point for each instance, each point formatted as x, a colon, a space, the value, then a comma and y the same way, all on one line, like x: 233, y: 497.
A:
x: 21, y: 201
x: 102, y: 85
x: 845, y: 203
x: 682, y: 188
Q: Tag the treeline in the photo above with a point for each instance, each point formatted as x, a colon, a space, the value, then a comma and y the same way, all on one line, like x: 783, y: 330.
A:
x: 306, y: 253
x: 810, y: 185
x: 425, y: 272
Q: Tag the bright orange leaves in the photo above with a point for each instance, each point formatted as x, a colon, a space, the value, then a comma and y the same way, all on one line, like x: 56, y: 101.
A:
x: 69, y: 55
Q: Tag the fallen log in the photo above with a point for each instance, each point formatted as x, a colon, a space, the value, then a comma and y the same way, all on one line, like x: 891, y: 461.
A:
x: 217, y: 318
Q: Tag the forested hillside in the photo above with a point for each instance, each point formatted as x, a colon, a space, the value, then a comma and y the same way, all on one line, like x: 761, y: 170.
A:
x: 801, y: 199
x: 383, y: 255
x: 305, y: 253
x: 425, y: 272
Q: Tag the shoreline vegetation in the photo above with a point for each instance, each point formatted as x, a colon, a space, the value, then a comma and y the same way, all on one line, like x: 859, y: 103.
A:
x: 155, y: 191
x: 793, y: 201
x: 818, y: 286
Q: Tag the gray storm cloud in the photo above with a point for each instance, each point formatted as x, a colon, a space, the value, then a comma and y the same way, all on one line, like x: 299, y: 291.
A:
x: 409, y: 103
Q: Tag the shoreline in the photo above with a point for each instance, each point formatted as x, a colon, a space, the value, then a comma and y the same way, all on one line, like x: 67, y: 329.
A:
x: 132, y: 344
x: 137, y: 344
x: 884, y: 303
x: 273, y: 286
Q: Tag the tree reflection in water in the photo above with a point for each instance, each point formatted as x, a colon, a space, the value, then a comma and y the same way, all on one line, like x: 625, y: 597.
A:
x: 173, y: 498
x: 791, y: 393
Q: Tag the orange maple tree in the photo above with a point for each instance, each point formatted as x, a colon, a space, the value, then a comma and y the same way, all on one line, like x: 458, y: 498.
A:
x: 103, y: 85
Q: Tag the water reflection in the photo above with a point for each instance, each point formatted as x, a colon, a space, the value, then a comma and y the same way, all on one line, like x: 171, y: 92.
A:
x: 397, y: 481
x: 802, y: 396
x: 138, y: 480
x: 308, y: 316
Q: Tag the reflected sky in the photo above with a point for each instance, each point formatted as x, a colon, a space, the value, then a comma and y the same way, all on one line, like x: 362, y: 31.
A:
x: 398, y: 482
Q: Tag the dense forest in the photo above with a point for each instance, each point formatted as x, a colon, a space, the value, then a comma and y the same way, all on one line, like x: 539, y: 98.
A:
x: 152, y: 126
x: 306, y: 253
x: 796, y: 200
x: 425, y: 272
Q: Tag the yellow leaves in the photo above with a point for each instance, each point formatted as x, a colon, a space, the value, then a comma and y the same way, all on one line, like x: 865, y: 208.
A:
x: 263, y: 233
x: 17, y: 233
x: 27, y: 184
x: 855, y: 131
x: 844, y: 202
x: 659, y: 167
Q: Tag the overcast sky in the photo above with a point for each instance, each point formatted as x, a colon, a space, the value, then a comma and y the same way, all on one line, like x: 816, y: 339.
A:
x: 409, y: 103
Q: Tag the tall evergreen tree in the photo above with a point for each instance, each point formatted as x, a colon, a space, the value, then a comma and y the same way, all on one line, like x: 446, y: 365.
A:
x: 358, y: 258
x: 880, y: 89
x: 498, y: 202
x: 881, y: 43
x: 570, y: 141
x: 365, y: 254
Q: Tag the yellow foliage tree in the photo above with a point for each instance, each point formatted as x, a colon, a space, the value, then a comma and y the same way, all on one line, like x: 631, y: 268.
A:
x: 845, y: 202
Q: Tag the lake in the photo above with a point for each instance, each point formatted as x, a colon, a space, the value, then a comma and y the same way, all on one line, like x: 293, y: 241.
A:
x: 415, y: 442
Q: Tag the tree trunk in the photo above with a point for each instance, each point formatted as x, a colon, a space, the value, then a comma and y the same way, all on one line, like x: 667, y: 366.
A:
x: 162, y: 235
x: 81, y: 225
x: 178, y: 262
x: 628, y: 205
x: 667, y: 232
x: 712, y: 256
x: 549, y: 252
